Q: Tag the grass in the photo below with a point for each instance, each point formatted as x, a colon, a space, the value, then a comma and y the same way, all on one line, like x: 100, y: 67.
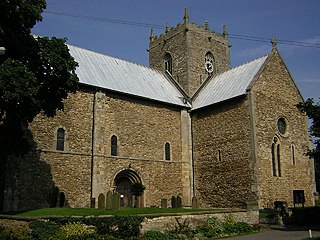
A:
x: 67, y: 212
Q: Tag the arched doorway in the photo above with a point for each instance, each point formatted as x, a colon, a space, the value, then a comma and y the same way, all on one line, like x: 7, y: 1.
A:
x: 123, y: 181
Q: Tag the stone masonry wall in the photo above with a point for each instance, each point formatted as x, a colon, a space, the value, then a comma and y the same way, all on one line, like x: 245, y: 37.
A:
x: 167, y: 222
x: 222, y: 155
x: 275, y: 95
x: 31, y: 179
x: 142, y: 128
x: 188, y: 45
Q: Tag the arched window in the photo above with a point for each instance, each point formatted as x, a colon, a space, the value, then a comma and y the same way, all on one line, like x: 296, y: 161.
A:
x: 278, y: 160
x: 168, y: 63
x: 167, y: 152
x: 114, y: 146
x: 274, y: 165
x: 209, y: 63
x: 276, y: 157
x: 60, y: 139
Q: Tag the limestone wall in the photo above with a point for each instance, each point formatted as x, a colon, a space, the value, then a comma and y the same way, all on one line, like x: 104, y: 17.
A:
x: 188, y: 45
x: 142, y: 128
x: 275, y: 96
x: 222, y: 155
x: 168, y: 222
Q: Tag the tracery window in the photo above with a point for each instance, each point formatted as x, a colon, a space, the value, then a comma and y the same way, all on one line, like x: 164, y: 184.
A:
x: 114, y: 146
x: 168, y: 63
x: 60, y: 139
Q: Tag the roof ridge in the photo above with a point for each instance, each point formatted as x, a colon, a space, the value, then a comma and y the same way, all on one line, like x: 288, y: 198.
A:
x: 106, y: 55
x: 247, y: 62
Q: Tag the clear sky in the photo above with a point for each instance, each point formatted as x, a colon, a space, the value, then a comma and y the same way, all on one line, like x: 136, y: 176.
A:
x: 121, y: 29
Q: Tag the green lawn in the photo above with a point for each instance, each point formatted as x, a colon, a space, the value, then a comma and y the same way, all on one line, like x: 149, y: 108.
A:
x: 67, y: 212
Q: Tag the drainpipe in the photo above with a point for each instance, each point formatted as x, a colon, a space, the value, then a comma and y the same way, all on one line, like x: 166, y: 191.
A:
x: 92, y: 200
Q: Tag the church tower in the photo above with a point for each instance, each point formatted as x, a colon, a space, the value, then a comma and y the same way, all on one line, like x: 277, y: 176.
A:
x: 189, y: 53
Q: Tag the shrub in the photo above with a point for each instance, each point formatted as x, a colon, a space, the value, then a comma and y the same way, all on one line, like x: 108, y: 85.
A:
x: 44, y: 230
x: 211, y: 228
x: 155, y: 235
x: 73, y: 230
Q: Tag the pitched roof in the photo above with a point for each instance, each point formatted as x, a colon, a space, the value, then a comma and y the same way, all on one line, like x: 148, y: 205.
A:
x: 113, y: 74
x: 228, y: 85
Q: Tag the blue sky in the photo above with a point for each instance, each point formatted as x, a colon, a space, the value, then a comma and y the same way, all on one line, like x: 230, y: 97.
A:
x: 293, y: 20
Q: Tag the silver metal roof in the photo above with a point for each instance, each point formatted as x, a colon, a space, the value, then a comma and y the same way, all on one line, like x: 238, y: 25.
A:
x: 110, y: 73
x: 230, y: 84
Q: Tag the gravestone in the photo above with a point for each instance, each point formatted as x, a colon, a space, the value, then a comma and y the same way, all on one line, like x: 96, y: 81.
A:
x: 194, y: 202
x: 109, y: 200
x: 93, y: 203
x: 173, y: 202
x: 179, y: 202
x: 116, y: 201
x: 101, y: 201
x: 164, y: 203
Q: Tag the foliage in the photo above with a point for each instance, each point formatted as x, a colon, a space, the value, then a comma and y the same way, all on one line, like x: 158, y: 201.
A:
x: 182, y: 227
x: 211, y: 228
x: 312, y: 110
x: 74, y: 230
x: 43, y: 230
x: 119, y: 226
x: 155, y: 235
x: 6, y: 234
x: 36, y: 74
x: 137, y: 189
x: 214, y: 228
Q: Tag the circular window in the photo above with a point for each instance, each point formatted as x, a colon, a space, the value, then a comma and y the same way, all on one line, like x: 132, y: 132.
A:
x: 282, y: 126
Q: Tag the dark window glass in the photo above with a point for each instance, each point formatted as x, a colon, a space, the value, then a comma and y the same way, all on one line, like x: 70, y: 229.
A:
x: 168, y: 63
x: 282, y: 126
x: 167, y: 151
x: 293, y: 155
x: 114, y: 146
x: 278, y: 160
x: 60, y: 139
x: 274, y: 170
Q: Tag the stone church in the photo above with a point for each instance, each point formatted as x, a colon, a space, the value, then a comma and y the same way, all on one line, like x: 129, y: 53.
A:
x: 188, y: 126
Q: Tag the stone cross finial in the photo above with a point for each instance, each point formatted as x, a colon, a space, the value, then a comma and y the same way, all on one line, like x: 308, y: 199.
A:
x: 274, y: 42
x: 225, y: 33
x: 206, y: 26
x: 151, y: 35
x: 167, y: 28
x: 186, y: 16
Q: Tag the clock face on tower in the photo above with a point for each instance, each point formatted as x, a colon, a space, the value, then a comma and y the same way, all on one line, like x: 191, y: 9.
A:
x: 209, y: 66
x: 208, y: 63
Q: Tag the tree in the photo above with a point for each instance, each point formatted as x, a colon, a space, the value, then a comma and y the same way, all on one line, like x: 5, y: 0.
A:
x: 137, y: 190
x: 312, y: 110
x: 36, y: 74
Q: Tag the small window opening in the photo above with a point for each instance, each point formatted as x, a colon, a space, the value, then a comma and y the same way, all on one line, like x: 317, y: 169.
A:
x: 60, y: 139
x: 293, y: 154
x: 114, y: 146
x: 168, y: 63
x: 167, y: 151
x: 219, y: 155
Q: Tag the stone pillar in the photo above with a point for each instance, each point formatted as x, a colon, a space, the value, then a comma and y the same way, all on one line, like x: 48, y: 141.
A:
x: 186, y: 153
